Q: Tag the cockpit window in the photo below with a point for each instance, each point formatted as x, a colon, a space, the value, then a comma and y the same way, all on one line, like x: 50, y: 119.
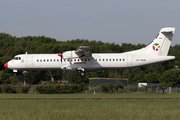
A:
x: 17, y: 58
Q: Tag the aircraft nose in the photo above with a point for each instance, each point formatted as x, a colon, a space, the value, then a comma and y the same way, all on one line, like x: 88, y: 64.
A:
x: 6, y: 65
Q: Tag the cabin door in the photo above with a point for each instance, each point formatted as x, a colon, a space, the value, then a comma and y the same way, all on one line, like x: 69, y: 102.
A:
x: 29, y: 61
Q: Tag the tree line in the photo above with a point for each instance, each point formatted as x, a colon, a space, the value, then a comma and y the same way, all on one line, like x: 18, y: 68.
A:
x: 155, y: 73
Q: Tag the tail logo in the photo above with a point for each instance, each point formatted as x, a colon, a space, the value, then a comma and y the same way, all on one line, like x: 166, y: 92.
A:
x: 156, y: 47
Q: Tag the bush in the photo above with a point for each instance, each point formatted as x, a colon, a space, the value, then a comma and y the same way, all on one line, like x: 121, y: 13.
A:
x: 80, y: 87
x: 58, y: 89
x: 0, y: 89
x: 118, y: 86
x: 49, y: 89
x: 40, y: 89
x: 108, y: 87
x: 105, y: 87
x: 14, y: 80
x: 8, y: 89
x: 24, y: 89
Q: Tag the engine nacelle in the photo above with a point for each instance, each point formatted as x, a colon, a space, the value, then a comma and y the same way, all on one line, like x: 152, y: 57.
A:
x: 70, y: 54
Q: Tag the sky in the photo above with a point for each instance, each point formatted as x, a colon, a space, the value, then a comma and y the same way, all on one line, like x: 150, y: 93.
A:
x: 112, y: 21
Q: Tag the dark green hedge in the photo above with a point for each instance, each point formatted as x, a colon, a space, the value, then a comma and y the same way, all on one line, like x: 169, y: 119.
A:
x: 60, y: 89
x: 8, y: 89
x: 24, y: 90
x: 108, y: 87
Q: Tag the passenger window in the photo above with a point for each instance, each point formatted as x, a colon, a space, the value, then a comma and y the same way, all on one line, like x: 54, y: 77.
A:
x: 44, y: 60
x: 103, y: 59
x: 47, y: 60
x: 57, y: 60
x: 106, y: 59
x: 64, y: 60
x: 40, y: 60
x: 74, y: 59
x: 51, y: 60
x: 84, y: 59
x: 54, y: 60
x: 119, y: 59
x: 88, y: 59
x: 123, y: 59
x: 116, y: 59
x: 113, y: 59
x: 37, y: 60
x: 16, y: 58
x: 81, y: 59
x: 109, y: 59
x: 99, y: 59
x: 19, y: 58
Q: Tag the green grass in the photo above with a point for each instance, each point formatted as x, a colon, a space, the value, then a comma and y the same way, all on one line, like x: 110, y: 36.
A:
x: 90, y: 109
x: 97, y: 95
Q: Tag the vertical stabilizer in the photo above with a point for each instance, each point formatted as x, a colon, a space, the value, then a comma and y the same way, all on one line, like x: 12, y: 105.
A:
x: 160, y: 45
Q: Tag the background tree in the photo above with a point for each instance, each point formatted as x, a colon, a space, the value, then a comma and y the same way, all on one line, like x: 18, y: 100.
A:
x: 152, y: 77
x: 164, y: 86
x: 171, y: 76
x: 4, y: 77
x: 139, y: 78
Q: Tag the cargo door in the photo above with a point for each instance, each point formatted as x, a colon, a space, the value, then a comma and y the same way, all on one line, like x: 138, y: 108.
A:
x: 130, y: 60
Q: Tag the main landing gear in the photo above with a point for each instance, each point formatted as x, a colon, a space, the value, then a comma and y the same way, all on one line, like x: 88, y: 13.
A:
x: 81, y: 71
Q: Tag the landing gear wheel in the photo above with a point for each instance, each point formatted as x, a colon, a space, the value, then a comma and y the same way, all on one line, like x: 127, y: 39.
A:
x: 82, y: 73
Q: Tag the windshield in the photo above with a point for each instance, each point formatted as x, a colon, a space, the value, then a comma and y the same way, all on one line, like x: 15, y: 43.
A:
x: 16, y: 58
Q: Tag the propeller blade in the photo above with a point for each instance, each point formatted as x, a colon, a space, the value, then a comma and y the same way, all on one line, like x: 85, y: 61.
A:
x: 60, y: 54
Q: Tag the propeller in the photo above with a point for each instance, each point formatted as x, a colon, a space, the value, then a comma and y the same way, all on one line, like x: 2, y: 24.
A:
x: 60, y: 54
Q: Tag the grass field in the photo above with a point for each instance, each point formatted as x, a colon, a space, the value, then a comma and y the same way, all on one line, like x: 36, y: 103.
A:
x: 90, y: 109
x: 98, y: 95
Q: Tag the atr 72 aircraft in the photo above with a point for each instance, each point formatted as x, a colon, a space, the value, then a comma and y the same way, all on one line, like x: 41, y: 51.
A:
x: 82, y: 60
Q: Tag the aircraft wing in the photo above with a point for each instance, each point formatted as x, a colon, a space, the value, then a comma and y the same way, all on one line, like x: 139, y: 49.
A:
x: 83, y: 51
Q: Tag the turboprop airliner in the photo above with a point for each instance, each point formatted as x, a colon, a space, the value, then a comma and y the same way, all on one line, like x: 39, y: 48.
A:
x: 82, y: 60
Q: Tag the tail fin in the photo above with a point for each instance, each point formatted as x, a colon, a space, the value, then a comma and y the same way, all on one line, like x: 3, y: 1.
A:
x: 160, y: 45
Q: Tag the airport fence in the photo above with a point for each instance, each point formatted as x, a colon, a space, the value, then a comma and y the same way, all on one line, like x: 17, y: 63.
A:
x: 134, y: 89
x: 35, y: 89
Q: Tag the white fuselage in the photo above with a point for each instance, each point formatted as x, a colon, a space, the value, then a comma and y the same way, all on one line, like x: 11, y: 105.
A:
x: 95, y: 62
